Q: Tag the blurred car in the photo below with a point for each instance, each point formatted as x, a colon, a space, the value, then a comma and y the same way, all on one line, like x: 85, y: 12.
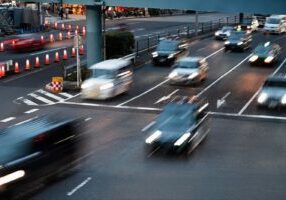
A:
x: 180, y: 127
x: 273, y: 92
x: 25, y: 42
x: 168, y: 51
x: 261, y: 18
x: 266, y: 53
x: 108, y: 79
x: 36, y: 150
x: 223, y: 33
x: 248, y: 25
x: 189, y: 70
x: 238, y: 40
x: 275, y: 24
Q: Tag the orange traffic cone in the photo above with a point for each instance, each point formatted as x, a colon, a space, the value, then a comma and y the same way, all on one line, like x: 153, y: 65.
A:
x: 47, y: 59
x: 13, y: 43
x: 1, y: 47
x: 77, y: 27
x: 65, y: 56
x: 75, y: 32
x: 52, y: 39
x: 3, y: 71
x: 60, y: 36
x: 37, y: 62
x: 56, y: 25
x: 81, y: 50
x: 16, y: 68
x: 68, y: 35
x: 73, y: 52
x: 57, y: 57
x: 27, y: 66
x: 1, y: 74
x: 83, y: 31
x: 63, y: 27
x: 70, y: 27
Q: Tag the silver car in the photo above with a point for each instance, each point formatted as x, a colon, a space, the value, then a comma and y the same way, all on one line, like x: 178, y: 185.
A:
x: 189, y: 70
x: 273, y: 92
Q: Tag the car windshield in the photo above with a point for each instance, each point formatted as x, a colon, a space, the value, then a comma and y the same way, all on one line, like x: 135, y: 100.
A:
x: 226, y: 28
x: 187, y: 64
x: 261, y: 49
x: 103, y: 73
x: 275, y: 83
x: 236, y: 35
x: 167, y: 46
x: 272, y: 21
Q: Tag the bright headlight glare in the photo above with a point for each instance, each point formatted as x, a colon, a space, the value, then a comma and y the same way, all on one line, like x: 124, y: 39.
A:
x: 193, y: 75
x: 226, y: 42
x: 173, y: 74
x: 153, y: 137
x: 262, y: 98
x: 85, y: 85
x: 11, y: 177
x: 155, y: 54
x: 269, y: 59
x: 240, y: 43
x: 182, y: 139
x: 283, y: 100
x: 216, y: 33
x: 253, y: 58
x: 106, y: 86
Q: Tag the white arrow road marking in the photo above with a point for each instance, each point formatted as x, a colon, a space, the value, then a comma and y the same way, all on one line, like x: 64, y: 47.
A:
x: 164, y: 98
x: 221, y: 101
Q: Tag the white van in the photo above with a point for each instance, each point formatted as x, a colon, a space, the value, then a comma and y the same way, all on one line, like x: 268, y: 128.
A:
x: 108, y: 79
x: 275, y: 24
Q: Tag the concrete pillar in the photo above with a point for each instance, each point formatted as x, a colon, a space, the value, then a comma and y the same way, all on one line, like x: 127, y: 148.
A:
x: 94, y: 34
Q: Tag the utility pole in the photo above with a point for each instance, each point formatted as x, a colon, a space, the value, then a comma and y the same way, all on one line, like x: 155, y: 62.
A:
x: 104, y: 31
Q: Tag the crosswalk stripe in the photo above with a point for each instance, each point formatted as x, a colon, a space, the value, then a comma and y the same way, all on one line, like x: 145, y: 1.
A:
x: 41, y: 98
x: 66, y: 95
x: 29, y: 102
x: 50, y: 95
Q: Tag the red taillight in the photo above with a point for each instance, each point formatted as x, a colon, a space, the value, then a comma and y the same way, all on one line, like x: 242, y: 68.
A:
x: 40, y: 137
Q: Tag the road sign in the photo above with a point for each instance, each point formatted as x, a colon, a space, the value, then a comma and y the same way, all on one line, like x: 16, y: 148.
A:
x: 58, y: 79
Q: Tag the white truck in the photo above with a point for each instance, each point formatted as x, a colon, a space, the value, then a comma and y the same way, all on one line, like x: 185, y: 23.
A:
x: 275, y: 24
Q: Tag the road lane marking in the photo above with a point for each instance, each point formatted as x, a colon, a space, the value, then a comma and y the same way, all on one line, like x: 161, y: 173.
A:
x: 79, y: 186
x: 28, y: 102
x: 221, y: 101
x: 66, y: 95
x: 142, y: 94
x: 25, y: 121
x: 148, y: 126
x: 224, y: 75
x: 8, y: 119
x: 153, y: 152
x: 164, y: 98
x: 47, y: 51
x: 257, y: 92
x: 47, y: 101
x: 50, y: 95
x: 31, y: 111
x: 214, y: 53
x: 88, y: 119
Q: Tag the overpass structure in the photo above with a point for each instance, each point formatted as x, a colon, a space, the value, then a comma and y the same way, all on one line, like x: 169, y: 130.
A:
x: 94, y: 13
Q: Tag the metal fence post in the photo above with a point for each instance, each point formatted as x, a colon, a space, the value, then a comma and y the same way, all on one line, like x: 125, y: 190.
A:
x: 148, y: 42
x: 235, y: 19
x: 218, y: 23
x: 188, y: 31
x: 227, y: 21
x: 202, y: 27
x: 137, y: 48
x: 178, y: 32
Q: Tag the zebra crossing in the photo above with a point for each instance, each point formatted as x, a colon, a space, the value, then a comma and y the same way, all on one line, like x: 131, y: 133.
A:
x: 42, y: 97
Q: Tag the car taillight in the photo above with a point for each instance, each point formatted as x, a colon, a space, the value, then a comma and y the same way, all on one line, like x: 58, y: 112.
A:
x: 40, y: 138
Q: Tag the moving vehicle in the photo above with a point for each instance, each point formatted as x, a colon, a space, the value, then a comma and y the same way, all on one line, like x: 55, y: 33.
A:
x: 168, y: 51
x: 266, y: 53
x: 223, y: 33
x: 261, y: 18
x: 248, y: 25
x: 275, y: 24
x: 238, y: 40
x: 180, y: 127
x: 25, y: 42
x: 189, y: 70
x: 273, y: 92
x: 35, y: 151
x: 108, y: 79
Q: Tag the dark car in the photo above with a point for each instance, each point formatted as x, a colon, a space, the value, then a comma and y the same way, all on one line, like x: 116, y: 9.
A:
x: 238, y: 40
x: 180, y: 127
x: 35, y: 151
x: 168, y: 51
x: 26, y: 42
x: 266, y: 53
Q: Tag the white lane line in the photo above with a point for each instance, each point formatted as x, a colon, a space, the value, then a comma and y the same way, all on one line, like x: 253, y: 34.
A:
x: 152, y: 153
x: 25, y: 121
x: 164, y: 98
x: 142, y: 94
x: 88, y: 119
x: 31, y: 111
x: 50, y: 95
x: 214, y: 53
x: 47, y: 51
x: 47, y: 101
x: 257, y: 92
x: 224, y: 75
x: 79, y: 186
x: 148, y: 126
x: 29, y: 102
x: 66, y: 95
x: 8, y: 119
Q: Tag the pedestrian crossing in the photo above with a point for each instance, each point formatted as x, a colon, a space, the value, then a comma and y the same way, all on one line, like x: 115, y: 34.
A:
x: 42, y: 97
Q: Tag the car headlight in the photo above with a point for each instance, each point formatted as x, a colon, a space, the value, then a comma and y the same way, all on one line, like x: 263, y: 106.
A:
x: 171, y: 55
x: 182, y: 139
x: 269, y: 59
x: 155, y: 54
x: 173, y: 74
x: 240, y: 43
x: 253, y: 58
x: 283, y: 100
x: 11, y: 177
x: 106, y: 86
x: 153, y: 137
x: 248, y: 27
x: 262, y: 98
x: 85, y: 85
x: 226, y: 42
x: 193, y: 75
x: 216, y: 33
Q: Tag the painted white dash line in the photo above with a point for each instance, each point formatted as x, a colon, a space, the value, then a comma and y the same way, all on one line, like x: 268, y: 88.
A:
x: 66, y: 95
x: 8, y: 119
x: 79, y: 186
x: 148, y: 126
x: 50, y: 95
x: 31, y: 111
x: 47, y: 101
x: 25, y: 121
x: 88, y: 119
